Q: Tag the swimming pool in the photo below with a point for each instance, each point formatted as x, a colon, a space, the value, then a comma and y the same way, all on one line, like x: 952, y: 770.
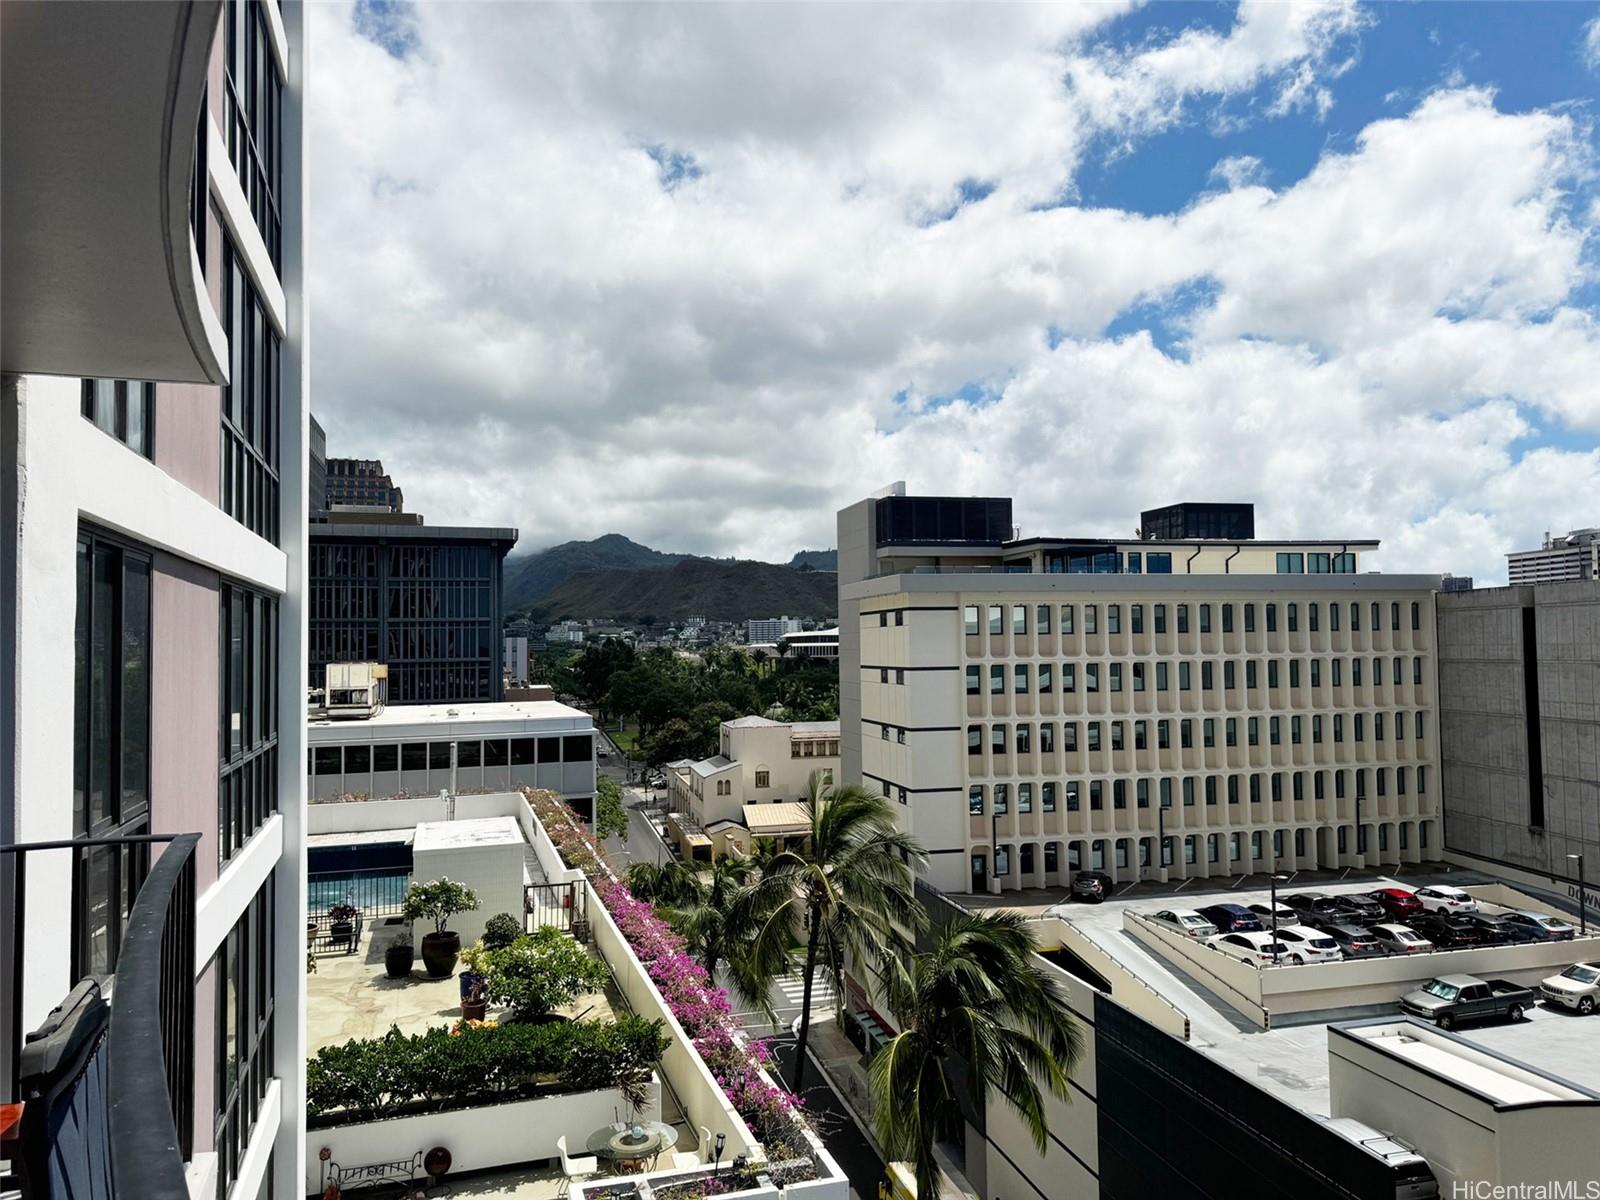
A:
x: 372, y: 876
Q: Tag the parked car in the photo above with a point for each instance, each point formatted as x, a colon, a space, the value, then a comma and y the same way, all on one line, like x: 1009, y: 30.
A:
x: 1399, y: 903
x: 1407, y: 1170
x: 1439, y: 898
x: 1360, y: 906
x: 1253, y: 947
x: 1537, y: 927
x: 1343, y: 910
x: 1353, y: 940
x: 1231, y: 918
x: 1399, y: 939
x: 1091, y: 886
x: 1285, y: 913
x: 1307, y: 945
x: 1447, y: 931
x: 1303, y: 902
x: 1451, y: 999
x: 1578, y: 988
x: 1492, y: 928
x: 1186, y: 922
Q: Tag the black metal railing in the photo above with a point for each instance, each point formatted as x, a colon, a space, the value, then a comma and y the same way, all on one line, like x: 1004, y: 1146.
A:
x: 335, y: 933
x: 145, y: 1129
x: 378, y: 892
x: 559, y: 905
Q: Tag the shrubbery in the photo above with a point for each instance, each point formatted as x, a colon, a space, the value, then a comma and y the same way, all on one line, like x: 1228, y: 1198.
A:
x: 500, y: 931
x: 541, y: 971
x: 481, y: 1064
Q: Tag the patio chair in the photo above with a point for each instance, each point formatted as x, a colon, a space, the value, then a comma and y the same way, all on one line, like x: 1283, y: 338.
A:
x: 683, y: 1160
x: 574, y: 1169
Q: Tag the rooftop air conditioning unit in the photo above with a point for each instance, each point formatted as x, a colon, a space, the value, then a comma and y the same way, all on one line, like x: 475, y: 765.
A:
x: 356, y: 690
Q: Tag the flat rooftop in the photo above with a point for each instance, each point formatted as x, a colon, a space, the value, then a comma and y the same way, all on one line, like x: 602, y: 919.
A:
x: 1494, y: 1075
x: 1291, y: 1061
x: 468, y: 834
x: 509, y: 712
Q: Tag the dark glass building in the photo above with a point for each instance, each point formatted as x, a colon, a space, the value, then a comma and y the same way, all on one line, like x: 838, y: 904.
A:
x: 362, y: 483
x: 1185, y: 522
x: 317, y: 483
x: 423, y: 599
x: 979, y: 520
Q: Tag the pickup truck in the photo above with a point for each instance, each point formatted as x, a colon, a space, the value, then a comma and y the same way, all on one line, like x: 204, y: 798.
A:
x: 1453, y: 998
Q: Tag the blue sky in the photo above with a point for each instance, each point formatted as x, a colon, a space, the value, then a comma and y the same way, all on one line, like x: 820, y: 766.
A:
x: 704, y: 273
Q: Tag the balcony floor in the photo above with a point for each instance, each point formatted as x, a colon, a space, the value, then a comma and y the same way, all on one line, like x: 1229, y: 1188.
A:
x: 351, y: 997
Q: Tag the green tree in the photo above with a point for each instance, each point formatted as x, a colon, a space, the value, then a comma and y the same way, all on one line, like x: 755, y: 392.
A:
x: 672, y: 883
x: 717, y: 926
x: 610, y: 817
x: 438, y: 901
x: 975, y: 995
x: 676, y: 739
x: 847, y: 887
x: 541, y: 971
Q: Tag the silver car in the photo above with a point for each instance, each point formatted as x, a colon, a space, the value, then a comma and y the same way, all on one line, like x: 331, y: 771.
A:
x: 1185, y: 921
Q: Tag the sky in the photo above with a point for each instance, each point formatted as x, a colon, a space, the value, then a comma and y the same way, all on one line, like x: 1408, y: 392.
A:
x: 702, y: 274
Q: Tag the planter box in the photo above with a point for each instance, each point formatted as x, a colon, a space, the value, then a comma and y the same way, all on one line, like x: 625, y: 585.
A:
x: 497, y: 1135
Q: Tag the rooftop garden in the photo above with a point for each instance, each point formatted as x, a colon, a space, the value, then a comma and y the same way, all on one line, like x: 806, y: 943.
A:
x: 478, y: 1063
x: 738, y: 1065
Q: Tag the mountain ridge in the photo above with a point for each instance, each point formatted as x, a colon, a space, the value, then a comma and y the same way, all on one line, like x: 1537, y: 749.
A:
x: 718, y: 589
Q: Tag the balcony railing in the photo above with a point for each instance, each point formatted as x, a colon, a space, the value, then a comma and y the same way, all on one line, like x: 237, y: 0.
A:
x: 109, y: 1105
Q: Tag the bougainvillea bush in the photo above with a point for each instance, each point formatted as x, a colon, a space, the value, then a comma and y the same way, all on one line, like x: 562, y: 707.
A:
x: 699, y: 1006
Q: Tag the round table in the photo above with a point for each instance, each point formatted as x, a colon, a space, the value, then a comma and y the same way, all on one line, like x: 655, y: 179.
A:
x: 632, y: 1141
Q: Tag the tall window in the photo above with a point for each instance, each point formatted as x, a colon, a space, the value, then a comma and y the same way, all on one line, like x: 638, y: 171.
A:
x: 250, y: 404
x: 127, y: 411
x: 247, y: 784
x: 253, y: 120
x: 243, y: 977
x: 111, y: 742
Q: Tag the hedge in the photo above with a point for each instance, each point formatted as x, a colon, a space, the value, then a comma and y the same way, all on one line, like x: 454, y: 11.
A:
x: 479, y: 1064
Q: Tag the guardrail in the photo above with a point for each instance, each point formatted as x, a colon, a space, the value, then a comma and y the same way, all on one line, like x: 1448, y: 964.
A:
x: 137, y: 1121
x: 377, y: 892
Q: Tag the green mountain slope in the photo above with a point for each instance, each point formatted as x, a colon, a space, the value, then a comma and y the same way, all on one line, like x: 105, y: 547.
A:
x: 531, y: 576
x: 718, y: 589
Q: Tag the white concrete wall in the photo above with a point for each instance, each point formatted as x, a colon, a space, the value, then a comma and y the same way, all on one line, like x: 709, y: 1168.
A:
x: 493, y: 871
x: 703, y: 1100
x: 478, y: 1138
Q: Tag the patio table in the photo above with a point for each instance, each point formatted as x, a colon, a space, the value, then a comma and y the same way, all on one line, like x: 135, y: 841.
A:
x: 634, y: 1141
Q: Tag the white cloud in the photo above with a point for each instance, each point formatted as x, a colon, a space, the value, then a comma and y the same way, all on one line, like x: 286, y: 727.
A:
x: 529, y: 328
x: 1591, y: 44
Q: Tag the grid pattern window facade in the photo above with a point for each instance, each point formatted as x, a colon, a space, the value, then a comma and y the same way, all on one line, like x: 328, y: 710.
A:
x: 431, y: 611
x: 247, y: 784
x: 253, y: 118
x: 243, y: 977
x: 126, y: 410
x: 251, y: 404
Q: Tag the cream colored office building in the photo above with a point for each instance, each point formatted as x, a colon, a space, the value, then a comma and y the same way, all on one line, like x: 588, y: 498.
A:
x: 1183, y: 707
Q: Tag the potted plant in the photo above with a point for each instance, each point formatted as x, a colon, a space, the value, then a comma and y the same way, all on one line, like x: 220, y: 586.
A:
x: 540, y: 972
x: 342, y: 923
x: 475, y: 1004
x: 438, y: 901
x: 398, y: 957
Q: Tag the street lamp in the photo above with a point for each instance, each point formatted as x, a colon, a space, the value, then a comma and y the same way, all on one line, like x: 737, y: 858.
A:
x: 1272, y: 902
x: 1583, y: 923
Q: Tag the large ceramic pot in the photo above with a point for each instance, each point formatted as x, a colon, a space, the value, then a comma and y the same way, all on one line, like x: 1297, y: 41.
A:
x: 398, y: 958
x: 440, y: 951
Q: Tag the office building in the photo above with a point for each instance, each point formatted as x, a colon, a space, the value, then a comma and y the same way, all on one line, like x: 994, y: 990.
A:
x: 1150, y: 708
x: 1573, y: 556
x: 423, y: 750
x: 809, y: 646
x: 317, y: 481
x: 1455, y: 583
x: 752, y: 787
x: 1519, y: 728
x: 515, y: 665
x: 362, y: 483
x: 153, y: 451
x: 770, y: 629
x: 423, y: 599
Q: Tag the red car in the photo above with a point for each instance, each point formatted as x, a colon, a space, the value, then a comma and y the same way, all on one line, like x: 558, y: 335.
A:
x: 1397, y: 902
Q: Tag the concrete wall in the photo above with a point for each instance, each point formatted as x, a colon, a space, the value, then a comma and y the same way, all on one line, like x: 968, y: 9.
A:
x: 1484, y: 743
x: 493, y: 871
x: 495, y: 1135
x: 1127, y: 989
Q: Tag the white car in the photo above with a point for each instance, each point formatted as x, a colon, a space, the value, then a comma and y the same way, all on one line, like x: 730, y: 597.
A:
x: 1577, y: 988
x: 1446, y: 899
x: 1285, y: 914
x: 1400, y: 939
x: 1307, y: 945
x: 1258, y: 948
x: 1185, y: 921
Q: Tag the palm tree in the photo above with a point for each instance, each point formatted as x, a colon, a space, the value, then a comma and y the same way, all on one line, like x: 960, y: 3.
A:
x: 976, y: 996
x: 673, y: 882
x: 848, y: 886
x: 717, y: 923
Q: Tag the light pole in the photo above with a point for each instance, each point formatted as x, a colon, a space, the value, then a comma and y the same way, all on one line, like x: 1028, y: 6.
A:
x: 1583, y: 922
x: 1272, y: 903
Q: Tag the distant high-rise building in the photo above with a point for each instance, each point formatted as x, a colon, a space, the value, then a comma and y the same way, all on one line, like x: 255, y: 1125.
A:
x: 1575, y: 555
x: 1455, y: 583
x: 770, y: 629
x: 317, y: 482
x: 516, y: 658
x: 362, y: 483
